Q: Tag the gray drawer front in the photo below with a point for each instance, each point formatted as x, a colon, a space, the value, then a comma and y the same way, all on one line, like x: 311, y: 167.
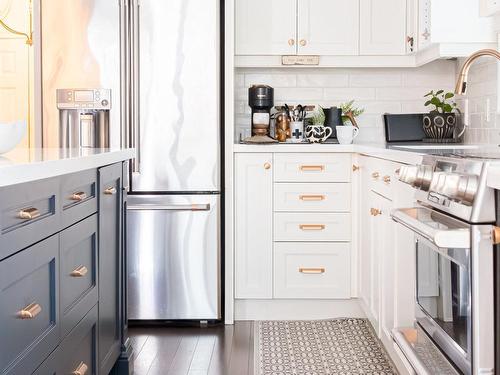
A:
x: 78, y: 349
x: 78, y: 276
x: 17, y: 233
x: 28, y: 278
x: 78, y: 196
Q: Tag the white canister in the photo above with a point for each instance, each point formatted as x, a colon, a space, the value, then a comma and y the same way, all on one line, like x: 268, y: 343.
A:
x: 346, y: 134
x: 296, y: 131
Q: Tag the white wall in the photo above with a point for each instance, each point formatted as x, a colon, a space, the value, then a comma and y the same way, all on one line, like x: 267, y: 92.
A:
x: 379, y: 91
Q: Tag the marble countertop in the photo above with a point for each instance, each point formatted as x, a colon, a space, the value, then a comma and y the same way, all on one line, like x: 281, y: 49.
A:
x: 24, y: 165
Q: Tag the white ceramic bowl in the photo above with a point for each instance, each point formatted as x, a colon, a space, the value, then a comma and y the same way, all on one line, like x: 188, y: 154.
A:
x: 11, y: 134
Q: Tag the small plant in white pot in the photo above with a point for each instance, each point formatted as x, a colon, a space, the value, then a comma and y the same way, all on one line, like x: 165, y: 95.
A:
x: 440, y: 123
x: 316, y: 131
x: 350, y: 130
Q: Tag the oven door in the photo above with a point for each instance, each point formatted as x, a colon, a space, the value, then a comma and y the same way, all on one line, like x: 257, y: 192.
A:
x: 443, y: 285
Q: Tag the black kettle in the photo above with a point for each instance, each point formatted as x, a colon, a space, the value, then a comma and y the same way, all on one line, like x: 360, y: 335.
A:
x: 333, y: 118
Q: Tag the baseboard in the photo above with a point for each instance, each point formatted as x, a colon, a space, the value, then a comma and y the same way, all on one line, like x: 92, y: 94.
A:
x: 296, y: 309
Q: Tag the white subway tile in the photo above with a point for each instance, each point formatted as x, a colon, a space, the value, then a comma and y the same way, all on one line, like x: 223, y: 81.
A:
x: 273, y: 80
x: 305, y: 95
x: 322, y: 80
x: 375, y: 79
x: 400, y: 94
x: 380, y: 107
x: 239, y: 80
x: 345, y: 94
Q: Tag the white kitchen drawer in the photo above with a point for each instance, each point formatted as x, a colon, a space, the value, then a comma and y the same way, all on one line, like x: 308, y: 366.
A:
x: 309, y: 226
x: 317, y: 197
x: 311, y: 270
x: 312, y: 167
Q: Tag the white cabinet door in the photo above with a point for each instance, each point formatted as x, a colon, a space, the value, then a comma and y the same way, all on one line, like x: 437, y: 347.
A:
x: 328, y: 27
x: 253, y: 225
x: 265, y: 27
x: 365, y: 243
x: 382, y: 27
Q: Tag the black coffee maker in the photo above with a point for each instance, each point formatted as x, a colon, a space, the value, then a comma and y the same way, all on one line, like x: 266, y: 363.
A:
x: 261, y: 101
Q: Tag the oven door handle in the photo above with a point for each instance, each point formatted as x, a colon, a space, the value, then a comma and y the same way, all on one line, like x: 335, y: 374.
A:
x: 443, y: 238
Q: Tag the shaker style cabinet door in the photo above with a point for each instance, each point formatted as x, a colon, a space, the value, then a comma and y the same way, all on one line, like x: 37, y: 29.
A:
x: 265, y: 27
x: 110, y: 250
x: 382, y: 27
x: 253, y: 226
x: 328, y: 27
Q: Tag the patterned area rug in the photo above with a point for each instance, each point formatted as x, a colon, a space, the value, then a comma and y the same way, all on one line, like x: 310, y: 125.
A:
x: 337, y: 346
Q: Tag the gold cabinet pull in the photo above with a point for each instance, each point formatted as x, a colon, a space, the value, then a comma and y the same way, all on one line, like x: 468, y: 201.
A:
x: 29, y: 213
x: 291, y: 42
x: 81, y: 369
x: 110, y: 191
x: 311, y: 198
x: 267, y: 165
x: 78, y: 196
x: 303, y: 42
x: 30, y: 311
x: 312, y: 226
x: 496, y: 235
x: 375, y: 175
x: 355, y: 167
x: 387, y: 179
x: 312, y: 168
x: 312, y: 271
x: 79, y: 271
x: 375, y: 211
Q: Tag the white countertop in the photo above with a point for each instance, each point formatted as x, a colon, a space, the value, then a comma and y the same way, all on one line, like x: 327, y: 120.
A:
x: 24, y: 165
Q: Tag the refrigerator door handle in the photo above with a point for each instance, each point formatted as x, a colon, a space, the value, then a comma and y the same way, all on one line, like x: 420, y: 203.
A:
x: 134, y: 73
x: 170, y: 207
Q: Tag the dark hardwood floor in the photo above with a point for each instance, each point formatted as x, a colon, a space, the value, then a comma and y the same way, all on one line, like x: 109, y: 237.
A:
x: 224, y: 350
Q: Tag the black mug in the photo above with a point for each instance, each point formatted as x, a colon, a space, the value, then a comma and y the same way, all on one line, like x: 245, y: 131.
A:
x: 333, y: 118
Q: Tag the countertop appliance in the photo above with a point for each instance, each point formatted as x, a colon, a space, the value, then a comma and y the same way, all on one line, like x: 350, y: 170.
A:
x: 455, y: 235
x: 260, y: 100
x: 174, y: 203
x: 84, y: 117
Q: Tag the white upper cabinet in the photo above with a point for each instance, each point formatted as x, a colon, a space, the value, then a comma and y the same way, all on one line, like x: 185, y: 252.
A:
x: 265, y: 27
x: 380, y: 35
x: 328, y: 27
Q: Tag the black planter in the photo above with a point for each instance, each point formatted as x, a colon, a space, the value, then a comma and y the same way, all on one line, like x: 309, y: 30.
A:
x: 439, y: 125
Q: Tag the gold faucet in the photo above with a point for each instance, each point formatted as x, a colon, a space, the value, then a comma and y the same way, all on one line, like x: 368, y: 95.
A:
x: 461, y: 87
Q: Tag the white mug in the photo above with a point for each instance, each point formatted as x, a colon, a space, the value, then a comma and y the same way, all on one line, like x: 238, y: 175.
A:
x: 346, y: 134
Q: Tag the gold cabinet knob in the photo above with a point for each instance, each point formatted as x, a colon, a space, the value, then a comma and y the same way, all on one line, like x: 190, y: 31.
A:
x: 267, y: 165
x: 387, y: 179
x: 81, y: 369
x: 79, y: 271
x: 375, y: 211
x: 110, y: 191
x: 78, y: 196
x: 291, y: 42
x: 355, y: 167
x: 30, y: 311
x: 375, y: 175
x: 29, y: 213
x: 303, y: 42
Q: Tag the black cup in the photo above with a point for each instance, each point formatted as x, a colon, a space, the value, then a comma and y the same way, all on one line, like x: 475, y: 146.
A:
x: 333, y: 118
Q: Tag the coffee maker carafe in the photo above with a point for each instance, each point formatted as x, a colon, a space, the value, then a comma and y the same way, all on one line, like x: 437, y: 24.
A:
x: 84, y: 118
x: 260, y: 100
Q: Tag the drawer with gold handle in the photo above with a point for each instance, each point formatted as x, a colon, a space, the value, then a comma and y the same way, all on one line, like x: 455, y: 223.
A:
x: 312, y: 168
x: 312, y: 226
x: 29, y: 213
x: 78, y: 196
x: 311, y: 198
x: 316, y: 197
x: 79, y: 272
x: 30, y: 311
x: 81, y: 369
x: 312, y: 271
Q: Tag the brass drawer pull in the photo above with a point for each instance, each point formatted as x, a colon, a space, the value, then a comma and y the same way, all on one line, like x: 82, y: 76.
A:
x: 29, y: 213
x: 312, y: 198
x: 387, y: 179
x: 312, y: 226
x: 375, y: 175
x: 110, y: 191
x: 312, y: 271
x: 78, y: 196
x: 267, y: 165
x: 30, y: 311
x: 375, y: 211
x: 312, y: 168
x: 81, y: 369
x: 355, y: 167
x: 79, y: 272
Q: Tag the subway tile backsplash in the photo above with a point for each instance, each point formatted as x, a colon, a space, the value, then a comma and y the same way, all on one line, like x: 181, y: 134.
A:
x: 379, y: 91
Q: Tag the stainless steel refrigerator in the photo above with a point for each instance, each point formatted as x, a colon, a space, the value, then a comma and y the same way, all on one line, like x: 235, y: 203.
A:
x: 162, y: 61
x: 173, y: 214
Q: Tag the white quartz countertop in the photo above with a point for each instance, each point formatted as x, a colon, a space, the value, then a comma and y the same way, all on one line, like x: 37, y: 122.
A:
x: 24, y: 165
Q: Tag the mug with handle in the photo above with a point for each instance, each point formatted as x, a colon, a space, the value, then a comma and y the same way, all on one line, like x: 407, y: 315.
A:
x: 346, y: 134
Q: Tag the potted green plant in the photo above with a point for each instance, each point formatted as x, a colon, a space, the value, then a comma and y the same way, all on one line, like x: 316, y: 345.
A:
x: 440, y: 122
x: 350, y: 112
x: 316, y: 131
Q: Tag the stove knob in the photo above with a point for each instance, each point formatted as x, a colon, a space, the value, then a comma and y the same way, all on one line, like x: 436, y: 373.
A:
x: 408, y: 174
x: 424, y: 177
x: 467, y: 188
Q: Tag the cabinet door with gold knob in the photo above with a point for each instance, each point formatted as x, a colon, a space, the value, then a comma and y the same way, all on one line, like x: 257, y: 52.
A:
x: 253, y: 189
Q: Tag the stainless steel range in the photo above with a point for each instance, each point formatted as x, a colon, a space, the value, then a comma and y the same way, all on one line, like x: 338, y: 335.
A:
x: 453, y: 223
